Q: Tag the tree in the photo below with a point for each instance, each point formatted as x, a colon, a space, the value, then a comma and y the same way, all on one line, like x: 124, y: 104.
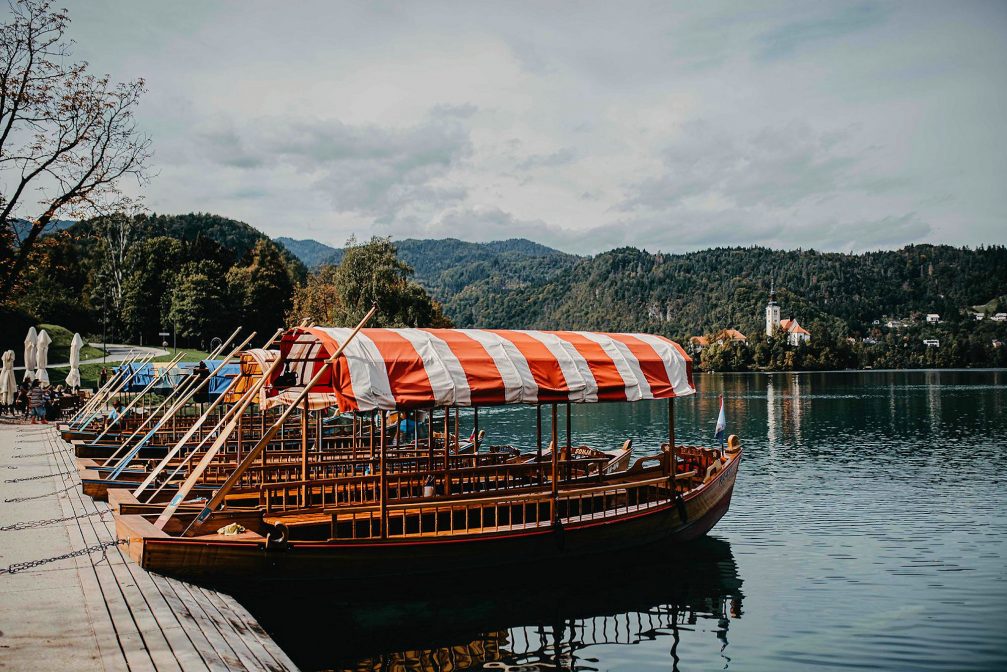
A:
x: 369, y: 273
x: 67, y: 137
x: 197, y: 301
x: 261, y: 291
x: 146, y: 298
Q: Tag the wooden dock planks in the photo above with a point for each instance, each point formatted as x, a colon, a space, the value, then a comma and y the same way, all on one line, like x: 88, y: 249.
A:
x: 138, y: 620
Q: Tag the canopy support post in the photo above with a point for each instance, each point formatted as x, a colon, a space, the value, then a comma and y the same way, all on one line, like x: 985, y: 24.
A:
x: 569, y: 442
x: 475, y: 436
x: 555, y: 465
x: 370, y: 441
x: 241, y: 433
x: 538, y: 439
x: 304, y: 451
x: 383, y: 481
x: 673, y: 466
x: 447, y: 452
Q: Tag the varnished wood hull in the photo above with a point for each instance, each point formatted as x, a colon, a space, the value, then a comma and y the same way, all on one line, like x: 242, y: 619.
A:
x: 221, y: 562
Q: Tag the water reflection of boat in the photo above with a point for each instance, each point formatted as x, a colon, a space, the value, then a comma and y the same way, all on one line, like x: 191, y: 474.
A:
x: 500, y: 623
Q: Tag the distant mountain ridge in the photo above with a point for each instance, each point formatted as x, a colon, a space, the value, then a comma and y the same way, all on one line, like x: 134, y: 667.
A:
x: 522, y: 284
x: 311, y: 252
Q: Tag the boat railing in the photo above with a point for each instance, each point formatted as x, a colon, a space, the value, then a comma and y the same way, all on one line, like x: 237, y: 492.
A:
x: 289, y: 466
x: 505, y: 513
x: 363, y: 490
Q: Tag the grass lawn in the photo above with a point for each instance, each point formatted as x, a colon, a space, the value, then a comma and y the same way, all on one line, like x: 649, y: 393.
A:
x: 89, y: 373
x: 59, y: 349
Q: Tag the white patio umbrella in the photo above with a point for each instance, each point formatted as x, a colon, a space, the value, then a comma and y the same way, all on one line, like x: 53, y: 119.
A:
x: 73, y: 378
x: 8, y: 383
x: 30, y: 341
x: 42, y: 356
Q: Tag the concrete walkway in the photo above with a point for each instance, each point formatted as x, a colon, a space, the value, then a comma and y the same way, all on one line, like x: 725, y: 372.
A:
x: 99, y: 610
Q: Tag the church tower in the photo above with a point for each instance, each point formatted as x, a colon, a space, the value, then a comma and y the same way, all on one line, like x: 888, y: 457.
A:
x: 772, y: 312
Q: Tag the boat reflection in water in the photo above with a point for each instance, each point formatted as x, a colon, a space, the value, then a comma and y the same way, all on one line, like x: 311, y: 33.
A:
x: 546, y: 618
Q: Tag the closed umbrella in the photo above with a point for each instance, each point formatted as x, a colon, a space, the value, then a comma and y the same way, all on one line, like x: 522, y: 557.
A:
x: 30, y: 341
x: 42, y: 356
x: 73, y: 378
x: 8, y: 383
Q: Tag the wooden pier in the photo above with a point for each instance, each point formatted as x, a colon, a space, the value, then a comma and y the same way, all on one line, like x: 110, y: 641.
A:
x: 98, y: 610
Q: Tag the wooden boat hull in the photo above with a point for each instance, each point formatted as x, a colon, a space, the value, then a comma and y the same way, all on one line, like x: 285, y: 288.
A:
x: 220, y: 561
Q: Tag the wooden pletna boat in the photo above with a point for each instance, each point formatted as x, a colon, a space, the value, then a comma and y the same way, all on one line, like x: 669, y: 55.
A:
x: 334, y: 447
x: 675, y: 494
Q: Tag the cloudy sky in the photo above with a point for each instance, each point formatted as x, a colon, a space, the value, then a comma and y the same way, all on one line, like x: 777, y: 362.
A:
x: 672, y: 126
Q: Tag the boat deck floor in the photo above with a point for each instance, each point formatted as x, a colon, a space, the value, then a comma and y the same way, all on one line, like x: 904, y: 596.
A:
x: 99, y: 610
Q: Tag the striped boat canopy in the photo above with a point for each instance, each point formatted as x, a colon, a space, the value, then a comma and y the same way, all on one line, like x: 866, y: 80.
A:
x: 420, y: 368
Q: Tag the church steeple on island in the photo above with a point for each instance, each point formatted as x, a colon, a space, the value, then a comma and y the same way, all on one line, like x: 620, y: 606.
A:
x: 795, y: 333
x: 772, y: 311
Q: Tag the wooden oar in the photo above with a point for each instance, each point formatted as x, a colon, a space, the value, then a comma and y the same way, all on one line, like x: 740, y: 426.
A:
x: 221, y: 439
x: 219, y: 495
x: 192, y: 430
x: 176, y: 391
x: 103, y: 390
x: 125, y: 381
x: 153, y: 381
x: 123, y: 375
x: 191, y: 388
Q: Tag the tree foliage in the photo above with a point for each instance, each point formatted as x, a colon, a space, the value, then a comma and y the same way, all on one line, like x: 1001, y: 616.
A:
x: 261, y: 290
x: 197, y: 303
x: 368, y: 274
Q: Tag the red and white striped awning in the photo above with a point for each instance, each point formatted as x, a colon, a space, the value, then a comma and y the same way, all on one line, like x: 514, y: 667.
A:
x: 419, y: 368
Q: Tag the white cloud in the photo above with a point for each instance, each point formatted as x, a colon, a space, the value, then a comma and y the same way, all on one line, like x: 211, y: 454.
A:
x: 584, y: 126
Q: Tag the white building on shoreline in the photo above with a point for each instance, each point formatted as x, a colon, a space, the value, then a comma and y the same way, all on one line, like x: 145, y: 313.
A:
x: 796, y: 334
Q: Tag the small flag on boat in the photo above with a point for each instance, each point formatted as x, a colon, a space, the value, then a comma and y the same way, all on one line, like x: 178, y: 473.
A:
x: 721, y: 422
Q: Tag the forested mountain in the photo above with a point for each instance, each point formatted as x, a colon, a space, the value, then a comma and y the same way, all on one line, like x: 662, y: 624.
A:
x: 519, y: 283
x: 199, y: 275
x: 699, y: 292
x: 204, y: 273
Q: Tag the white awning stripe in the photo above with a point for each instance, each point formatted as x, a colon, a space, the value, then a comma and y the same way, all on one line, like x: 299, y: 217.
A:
x: 637, y: 387
x: 519, y: 384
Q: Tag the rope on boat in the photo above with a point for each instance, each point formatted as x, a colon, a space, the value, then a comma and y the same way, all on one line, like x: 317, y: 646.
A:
x: 32, y: 524
x: 31, y: 564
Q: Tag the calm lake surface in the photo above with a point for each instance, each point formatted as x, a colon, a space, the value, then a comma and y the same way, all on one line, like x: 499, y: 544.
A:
x: 868, y: 530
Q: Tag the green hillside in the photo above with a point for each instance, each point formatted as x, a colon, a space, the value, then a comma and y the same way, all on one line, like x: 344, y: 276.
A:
x: 206, y: 274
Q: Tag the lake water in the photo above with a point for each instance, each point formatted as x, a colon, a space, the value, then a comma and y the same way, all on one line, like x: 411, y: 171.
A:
x: 868, y: 530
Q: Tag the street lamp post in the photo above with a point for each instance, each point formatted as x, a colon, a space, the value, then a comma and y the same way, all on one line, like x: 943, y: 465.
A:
x: 104, y: 338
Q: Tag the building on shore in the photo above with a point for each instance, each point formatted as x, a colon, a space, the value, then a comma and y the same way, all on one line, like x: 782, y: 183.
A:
x: 795, y: 333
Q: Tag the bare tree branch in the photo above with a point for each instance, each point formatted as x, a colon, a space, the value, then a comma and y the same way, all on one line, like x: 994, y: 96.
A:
x: 65, y: 134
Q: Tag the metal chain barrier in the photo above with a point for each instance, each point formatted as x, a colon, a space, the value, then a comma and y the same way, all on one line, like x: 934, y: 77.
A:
x: 31, y: 564
x: 39, y: 477
x: 32, y: 524
x: 28, y: 498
